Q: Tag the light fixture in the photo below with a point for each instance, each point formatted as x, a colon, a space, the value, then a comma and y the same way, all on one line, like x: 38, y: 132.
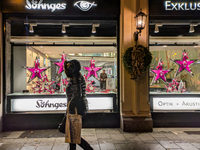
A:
x: 31, y: 30
x: 191, y: 28
x: 157, y: 25
x: 140, y: 23
x: 94, y: 27
x: 192, y: 25
x: 64, y: 25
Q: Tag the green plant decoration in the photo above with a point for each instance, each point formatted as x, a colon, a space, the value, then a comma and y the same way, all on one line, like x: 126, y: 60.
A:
x: 136, y: 60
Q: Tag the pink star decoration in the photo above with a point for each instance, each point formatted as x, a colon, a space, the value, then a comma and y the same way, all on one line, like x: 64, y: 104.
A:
x: 36, y: 71
x: 45, y: 84
x: 159, y: 73
x: 36, y: 89
x: 89, y: 86
x: 61, y: 64
x: 64, y: 81
x: 92, y: 70
x: 173, y: 86
x: 184, y: 64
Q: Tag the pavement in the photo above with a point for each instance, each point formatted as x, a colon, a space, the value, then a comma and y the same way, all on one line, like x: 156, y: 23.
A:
x: 105, y: 139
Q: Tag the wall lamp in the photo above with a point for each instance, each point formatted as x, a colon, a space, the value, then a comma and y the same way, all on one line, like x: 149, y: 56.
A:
x: 140, y: 23
x: 31, y: 25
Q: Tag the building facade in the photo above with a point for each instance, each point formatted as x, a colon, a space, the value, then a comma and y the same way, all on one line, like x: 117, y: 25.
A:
x: 40, y: 34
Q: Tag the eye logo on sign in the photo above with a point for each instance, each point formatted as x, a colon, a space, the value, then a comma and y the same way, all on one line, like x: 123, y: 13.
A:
x: 84, y: 5
x: 34, y: 4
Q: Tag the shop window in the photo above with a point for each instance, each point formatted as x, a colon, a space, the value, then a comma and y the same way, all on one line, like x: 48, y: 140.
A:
x: 37, y: 58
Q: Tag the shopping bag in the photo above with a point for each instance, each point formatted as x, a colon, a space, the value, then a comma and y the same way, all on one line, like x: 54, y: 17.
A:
x: 73, y: 127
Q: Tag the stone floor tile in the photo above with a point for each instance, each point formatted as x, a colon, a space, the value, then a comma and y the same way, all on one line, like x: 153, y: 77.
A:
x: 187, y: 146
x: 7, y: 141
x: 99, y: 130
x: 33, y: 142
x: 95, y: 147
x: 117, y: 136
x: 157, y: 135
x: 11, y: 147
x: 107, y: 146
x: 60, y: 147
x: 123, y: 146
x: 28, y: 148
x: 161, y: 139
x: 139, y: 146
x: 90, y: 137
x: 155, y: 147
x: 44, y: 148
x: 129, y: 136
x: 14, y: 135
x: 114, y: 131
x: 173, y: 137
x: 151, y: 142
x: 103, y: 135
x: 20, y: 140
x: 48, y: 141
x: 197, y: 145
x: 88, y: 132
x: 145, y: 137
x: 168, y: 144
x: 135, y: 139
x: 187, y: 138
x: 120, y: 141
x: 105, y: 140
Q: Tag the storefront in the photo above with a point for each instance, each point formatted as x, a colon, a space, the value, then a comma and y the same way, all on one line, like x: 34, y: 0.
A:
x: 38, y: 37
x: 174, y: 72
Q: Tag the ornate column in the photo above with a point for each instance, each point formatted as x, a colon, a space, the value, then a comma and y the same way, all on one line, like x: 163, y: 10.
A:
x: 134, y: 94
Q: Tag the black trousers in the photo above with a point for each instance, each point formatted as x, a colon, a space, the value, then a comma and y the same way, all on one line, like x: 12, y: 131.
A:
x: 102, y: 85
x: 84, y: 144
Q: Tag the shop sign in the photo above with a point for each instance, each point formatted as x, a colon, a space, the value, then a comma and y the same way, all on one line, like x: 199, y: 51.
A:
x: 84, y: 5
x: 34, y: 4
x: 57, y: 104
x: 182, y: 5
x: 176, y: 104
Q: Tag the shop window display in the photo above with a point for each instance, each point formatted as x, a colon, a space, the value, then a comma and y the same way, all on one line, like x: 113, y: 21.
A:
x: 175, y: 69
x: 46, y: 75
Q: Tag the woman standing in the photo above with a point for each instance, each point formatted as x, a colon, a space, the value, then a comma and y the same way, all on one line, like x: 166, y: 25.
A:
x: 76, y: 94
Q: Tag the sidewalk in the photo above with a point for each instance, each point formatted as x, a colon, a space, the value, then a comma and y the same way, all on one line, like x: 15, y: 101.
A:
x: 105, y: 139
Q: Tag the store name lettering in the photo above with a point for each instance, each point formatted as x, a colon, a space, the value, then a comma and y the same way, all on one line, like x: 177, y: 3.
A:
x: 34, y: 4
x: 47, y: 104
x: 160, y: 103
x: 182, y: 6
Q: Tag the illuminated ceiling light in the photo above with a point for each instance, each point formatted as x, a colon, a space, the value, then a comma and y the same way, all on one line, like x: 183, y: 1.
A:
x: 63, y: 29
x: 31, y: 30
x: 94, y: 27
x: 191, y: 28
x: 64, y: 25
x: 192, y: 25
x: 157, y: 28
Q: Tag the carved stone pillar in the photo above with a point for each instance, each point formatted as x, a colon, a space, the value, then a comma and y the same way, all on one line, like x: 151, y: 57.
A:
x: 134, y: 94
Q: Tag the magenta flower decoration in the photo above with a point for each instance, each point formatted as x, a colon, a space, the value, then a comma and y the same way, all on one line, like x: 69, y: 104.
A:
x: 184, y: 64
x: 36, y: 71
x: 92, y: 70
x: 159, y: 73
